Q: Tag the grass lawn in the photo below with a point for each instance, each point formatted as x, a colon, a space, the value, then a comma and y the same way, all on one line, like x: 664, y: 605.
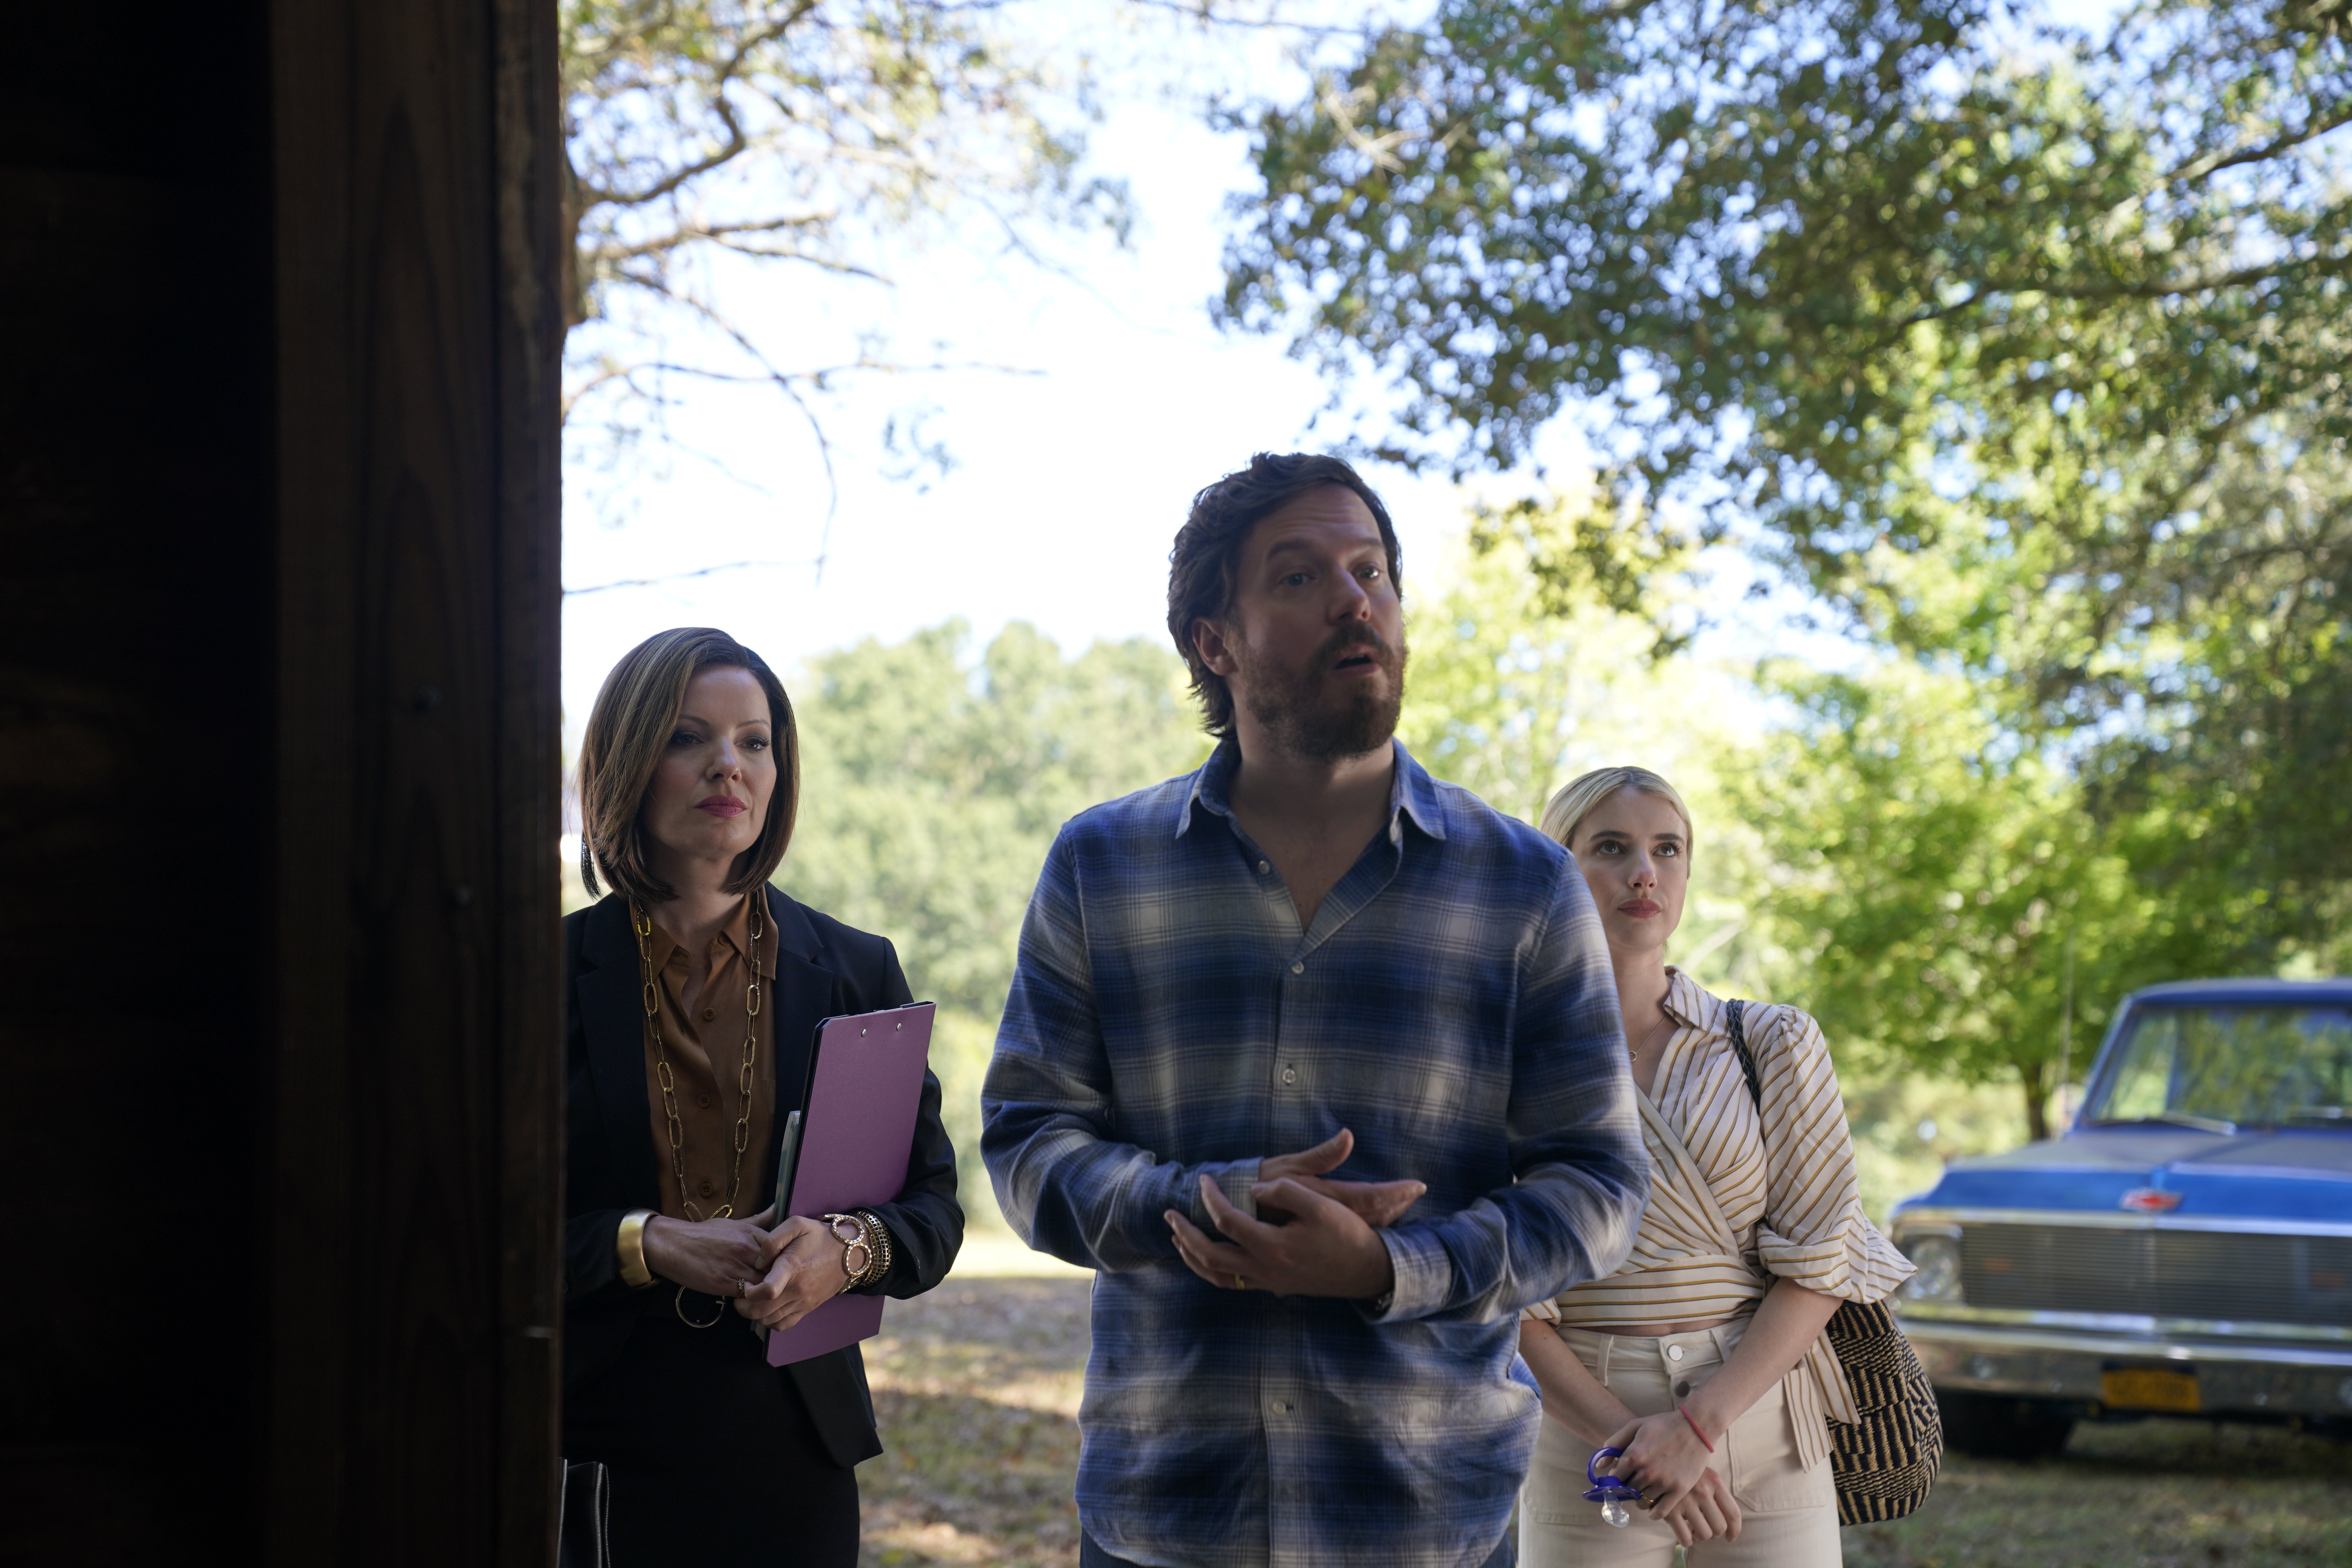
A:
x: 977, y: 1386
x: 2152, y: 1494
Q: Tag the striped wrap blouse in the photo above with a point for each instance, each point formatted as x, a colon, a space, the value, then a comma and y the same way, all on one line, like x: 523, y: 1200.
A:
x: 1734, y: 1204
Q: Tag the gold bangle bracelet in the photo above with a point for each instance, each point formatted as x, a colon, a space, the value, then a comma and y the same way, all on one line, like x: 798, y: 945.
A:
x: 866, y: 1275
x: 879, y: 1234
x: 631, y: 1246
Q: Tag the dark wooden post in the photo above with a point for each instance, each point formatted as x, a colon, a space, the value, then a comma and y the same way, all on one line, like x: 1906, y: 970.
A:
x: 278, y: 786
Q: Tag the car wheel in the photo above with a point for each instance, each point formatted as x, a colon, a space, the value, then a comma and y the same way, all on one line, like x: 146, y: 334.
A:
x: 2000, y: 1426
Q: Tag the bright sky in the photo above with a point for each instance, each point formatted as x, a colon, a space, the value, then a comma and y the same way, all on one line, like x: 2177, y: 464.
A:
x: 1069, y: 482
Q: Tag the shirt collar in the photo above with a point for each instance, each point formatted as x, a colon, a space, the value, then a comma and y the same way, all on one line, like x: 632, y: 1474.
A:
x: 1412, y: 792
x: 1686, y: 1003
x: 661, y: 947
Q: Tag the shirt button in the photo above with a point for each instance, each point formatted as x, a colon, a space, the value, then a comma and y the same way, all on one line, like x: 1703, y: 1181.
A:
x: 1262, y: 868
x: 706, y: 1190
x: 1298, y: 969
x: 1290, y: 1075
x: 1280, y: 1407
x: 703, y: 1101
x: 1674, y: 1352
x: 1682, y: 1390
x: 709, y: 1013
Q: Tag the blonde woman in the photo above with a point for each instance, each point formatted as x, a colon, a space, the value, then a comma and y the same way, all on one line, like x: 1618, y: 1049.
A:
x: 1704, y: 1357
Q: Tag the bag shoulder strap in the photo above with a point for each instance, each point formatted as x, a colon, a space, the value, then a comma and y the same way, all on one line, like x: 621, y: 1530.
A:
x: 1737, y: 1013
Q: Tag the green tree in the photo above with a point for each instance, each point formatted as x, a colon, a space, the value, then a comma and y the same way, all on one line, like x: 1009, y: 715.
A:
x: 1947, y: 897
x: 933, y: 784
x: 1515, y: 689
x: 1516, y: 686
x: 2025, y: 347
x: 1868, y: 271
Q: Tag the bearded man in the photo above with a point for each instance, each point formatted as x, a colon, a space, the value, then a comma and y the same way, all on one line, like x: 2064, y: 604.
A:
x: 1318, y: 1061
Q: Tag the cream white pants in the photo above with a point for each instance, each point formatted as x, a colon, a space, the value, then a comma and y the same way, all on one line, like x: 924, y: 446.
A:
x: 1788, y: 1516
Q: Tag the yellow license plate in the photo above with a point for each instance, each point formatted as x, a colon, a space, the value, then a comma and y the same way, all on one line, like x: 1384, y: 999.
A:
x: 2149, y: 1388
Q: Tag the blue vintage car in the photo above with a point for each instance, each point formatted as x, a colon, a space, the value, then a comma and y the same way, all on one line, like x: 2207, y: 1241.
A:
x: 2186, y: 1248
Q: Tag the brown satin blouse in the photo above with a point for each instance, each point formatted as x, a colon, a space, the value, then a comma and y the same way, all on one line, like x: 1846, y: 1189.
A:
x: 705, y: 1044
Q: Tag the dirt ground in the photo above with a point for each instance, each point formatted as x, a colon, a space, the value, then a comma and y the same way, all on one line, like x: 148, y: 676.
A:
x: 977, y: 1386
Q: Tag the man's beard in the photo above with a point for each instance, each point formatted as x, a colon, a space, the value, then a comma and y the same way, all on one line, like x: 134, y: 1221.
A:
x: 1298, y: 717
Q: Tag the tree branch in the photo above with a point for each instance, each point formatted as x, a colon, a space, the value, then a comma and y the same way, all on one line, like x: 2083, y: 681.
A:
x: 678, y: 576
x: 2214, y: 162
x: 591, y: 47
x: 737, y: 141
x: 1206, y: 15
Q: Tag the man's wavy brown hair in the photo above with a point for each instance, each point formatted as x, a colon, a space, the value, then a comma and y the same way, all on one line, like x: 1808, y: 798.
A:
x: 629, y: 730
x: 1200, y: 566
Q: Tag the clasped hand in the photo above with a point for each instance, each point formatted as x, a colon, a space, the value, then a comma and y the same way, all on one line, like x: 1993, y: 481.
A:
x: 1313, y: 1236
x: 775, y: 1276
x: 1680, y: 1487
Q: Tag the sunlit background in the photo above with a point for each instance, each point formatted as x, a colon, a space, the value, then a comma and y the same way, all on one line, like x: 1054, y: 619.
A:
x: 956, y: 549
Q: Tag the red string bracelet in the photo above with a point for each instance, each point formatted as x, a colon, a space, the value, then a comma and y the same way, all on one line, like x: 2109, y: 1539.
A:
x: 1694, y: 1431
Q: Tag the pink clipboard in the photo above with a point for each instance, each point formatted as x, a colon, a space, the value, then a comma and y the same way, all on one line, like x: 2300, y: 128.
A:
x: 857, y: 1125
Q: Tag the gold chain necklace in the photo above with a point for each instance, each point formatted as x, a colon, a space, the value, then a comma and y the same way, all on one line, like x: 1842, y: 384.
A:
x: 642, y: 924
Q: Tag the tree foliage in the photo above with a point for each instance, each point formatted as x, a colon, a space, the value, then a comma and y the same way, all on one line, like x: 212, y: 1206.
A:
x: 810, y: 133
x: 1513, y: 690
x: 1892, y: 279
x: 2022, y: 347
x: 1943, y: 896
x: 934, y: 781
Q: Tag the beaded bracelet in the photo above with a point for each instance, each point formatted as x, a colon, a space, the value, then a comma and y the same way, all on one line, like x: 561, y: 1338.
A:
x: 880, y: 1252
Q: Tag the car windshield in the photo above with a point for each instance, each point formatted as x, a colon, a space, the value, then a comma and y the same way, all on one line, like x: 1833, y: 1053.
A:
x: 2223, y: 1068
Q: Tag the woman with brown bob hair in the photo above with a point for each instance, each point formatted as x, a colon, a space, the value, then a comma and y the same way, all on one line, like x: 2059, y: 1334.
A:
x: 691, y: 995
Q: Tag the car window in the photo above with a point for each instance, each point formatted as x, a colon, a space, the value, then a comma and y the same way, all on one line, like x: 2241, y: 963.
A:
x: 2231, y: 1067
x: 2141, y: 1084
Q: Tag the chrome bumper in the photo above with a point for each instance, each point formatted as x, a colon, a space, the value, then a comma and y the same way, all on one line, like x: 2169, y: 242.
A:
x: 2066, y: 1362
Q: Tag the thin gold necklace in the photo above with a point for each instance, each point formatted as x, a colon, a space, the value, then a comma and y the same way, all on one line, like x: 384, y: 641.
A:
x: 642, y: 924
x: 1666, y: 1024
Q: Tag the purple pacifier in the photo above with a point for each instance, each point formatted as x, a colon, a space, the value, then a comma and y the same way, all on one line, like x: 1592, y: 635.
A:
x: 1610, y: 1492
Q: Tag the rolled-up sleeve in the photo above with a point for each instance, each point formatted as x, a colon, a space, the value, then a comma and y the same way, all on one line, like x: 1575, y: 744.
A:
x: 1813, y: 1231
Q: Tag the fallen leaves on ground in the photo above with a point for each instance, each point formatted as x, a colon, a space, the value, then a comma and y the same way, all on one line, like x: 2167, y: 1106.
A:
x: 977, y: 1386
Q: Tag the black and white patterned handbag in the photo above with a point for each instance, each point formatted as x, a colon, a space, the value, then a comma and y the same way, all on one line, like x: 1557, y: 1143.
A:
x: 1883, y: 1468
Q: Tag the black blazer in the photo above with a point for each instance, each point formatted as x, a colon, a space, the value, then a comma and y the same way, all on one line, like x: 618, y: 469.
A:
x: 822, y: 969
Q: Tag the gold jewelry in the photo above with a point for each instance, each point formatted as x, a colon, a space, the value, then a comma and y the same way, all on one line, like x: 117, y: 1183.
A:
x: 1240, y: 1283
x: 878, y: 1249
x: 851, y: 1244
x: 677, y: 1305
x: 642, y: 924
x: 631, y: 1246
x: 1665, y: 1023
x: 879, y: 1234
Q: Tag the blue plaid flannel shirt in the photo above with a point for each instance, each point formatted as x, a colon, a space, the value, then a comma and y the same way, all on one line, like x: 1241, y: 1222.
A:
x: 1452, y: 1004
